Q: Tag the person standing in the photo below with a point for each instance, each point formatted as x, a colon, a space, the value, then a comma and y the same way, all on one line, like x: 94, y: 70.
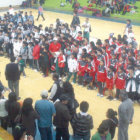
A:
x: 56, y: 89
x: 46, y: 111
x: 82, y: 120
x: 12, y: 74
x: 87, y: 29
x: 62, y: 118
x: 75, y: 20
x: 40, y: 12
x: 126, y: 112
x: 36, y: 55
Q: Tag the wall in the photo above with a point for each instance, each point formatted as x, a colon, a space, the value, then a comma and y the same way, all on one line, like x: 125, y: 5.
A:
x: 6, y: 3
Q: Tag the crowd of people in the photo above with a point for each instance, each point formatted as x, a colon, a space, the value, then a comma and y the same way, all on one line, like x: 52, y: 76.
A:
x: 67, y: 51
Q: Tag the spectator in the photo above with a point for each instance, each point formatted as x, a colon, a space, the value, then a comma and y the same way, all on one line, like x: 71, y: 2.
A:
x: 103, y: 132
x: 56, y: 89
x: 13, y: 109
x: 28, y: 117
x: 46, y: 110
x: 126, y: 113
x: 82, y: 120
x: 3, y: 112
x: 12, y: 75
x: 113, y: 121
x: 62, y: 118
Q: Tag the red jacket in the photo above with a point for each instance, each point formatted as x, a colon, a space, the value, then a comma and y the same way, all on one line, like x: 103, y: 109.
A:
x: 61, y: 61
x: 36, y: 52
x: 82, y: 66
x: 54, y: 47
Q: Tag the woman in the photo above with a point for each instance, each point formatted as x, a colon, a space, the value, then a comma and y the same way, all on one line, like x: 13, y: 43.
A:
x: 103, y: 132
x: 113, y: 121
x: 28, y: 116
x: 13, y: 109
x: 69, y: 91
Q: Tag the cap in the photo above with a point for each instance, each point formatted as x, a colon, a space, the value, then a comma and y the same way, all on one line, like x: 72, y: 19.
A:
x: 44, y: 93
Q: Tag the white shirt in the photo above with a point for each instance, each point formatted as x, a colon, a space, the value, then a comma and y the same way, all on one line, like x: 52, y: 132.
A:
x: 86, y: 26
x: 72, y: 65
x: 3, y: 111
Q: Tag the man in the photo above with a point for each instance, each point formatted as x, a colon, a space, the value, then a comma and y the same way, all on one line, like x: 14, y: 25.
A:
x: 62, y: 118
x: 13, y: 75
x: 56, y: 89
x: 75, y: 20
x: 46, y: 110
x: 126, y: 112
x: 82, y: 120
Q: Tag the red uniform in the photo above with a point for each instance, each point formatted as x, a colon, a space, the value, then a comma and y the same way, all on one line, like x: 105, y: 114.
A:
x: 120, y: 80
x: 101, y: 74
x: 61, y: 61
x: 82, y: 66
x: 110, y: 80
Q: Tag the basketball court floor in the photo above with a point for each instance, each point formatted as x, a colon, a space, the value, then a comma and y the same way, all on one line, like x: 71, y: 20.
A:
x: 34, y: 83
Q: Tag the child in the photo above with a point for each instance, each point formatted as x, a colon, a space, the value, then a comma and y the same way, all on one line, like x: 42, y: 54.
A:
x: 30, y: 54
x: 61, y: 63
x: 40, y: 12
x: 131, y: 84
x: 72, y: 66
x: 101, y: 77
x: 110, y: 81
x: 88, y: 77
x: 113, y: 121
x: 21, y: 65
x: 81, y: 69
x: 82, y: 120
x: 120, y: 81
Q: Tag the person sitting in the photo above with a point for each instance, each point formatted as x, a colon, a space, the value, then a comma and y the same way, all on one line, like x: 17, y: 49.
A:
x: 106, y: 12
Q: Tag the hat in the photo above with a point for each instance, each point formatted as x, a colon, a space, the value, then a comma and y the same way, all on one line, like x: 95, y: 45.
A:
x: 44, y: 93
x: 55, y: 39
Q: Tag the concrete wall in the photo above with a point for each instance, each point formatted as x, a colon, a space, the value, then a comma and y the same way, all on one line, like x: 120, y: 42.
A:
x: 6, y: 3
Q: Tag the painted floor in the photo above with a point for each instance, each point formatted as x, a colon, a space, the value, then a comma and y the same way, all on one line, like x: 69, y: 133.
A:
x: 34, y: 83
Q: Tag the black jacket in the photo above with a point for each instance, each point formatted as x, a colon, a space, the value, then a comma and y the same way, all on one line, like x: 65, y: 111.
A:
x: 12, y: 72
x: 62, y: 117
x: 82, y: 124
x: 75, y: 21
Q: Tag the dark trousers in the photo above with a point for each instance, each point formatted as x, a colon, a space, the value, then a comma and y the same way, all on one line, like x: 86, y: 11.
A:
x: 46, y: 133
x: 101, y: 87
x: 61, y: 71
x: 41, y: 16
x: 117, y: 93
x: 3, y: 121
x: 31, y: 63
x: 14, y: 86
x: 80, y: 80
x: 62, y: 133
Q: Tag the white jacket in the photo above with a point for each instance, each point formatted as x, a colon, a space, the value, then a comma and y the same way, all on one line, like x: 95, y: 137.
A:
x: 72, y: 65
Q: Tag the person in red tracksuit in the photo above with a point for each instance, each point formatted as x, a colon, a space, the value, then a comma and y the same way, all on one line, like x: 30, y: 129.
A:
x: 120, y: 81
x: 82, y: 65
x: 36, y: 55
x: 110, y: 80
x: 61, y: 63
x: 101, y: 77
